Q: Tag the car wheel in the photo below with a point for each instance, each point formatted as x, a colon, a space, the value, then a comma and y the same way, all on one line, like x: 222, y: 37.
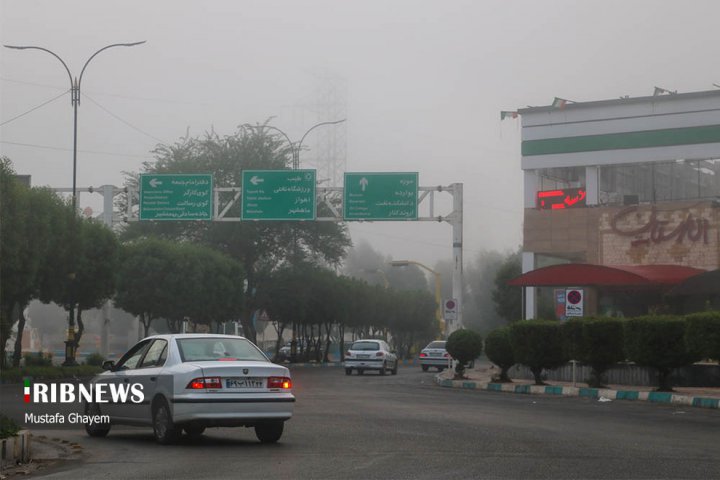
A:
x: 395, y: 368
x: 98, y: 429
x: 360, y: 371
x: 440, y: 369
x: 194, y: 431
x: 348, y: 371
x: 425, y: 368
x: 163, y: 426
x: 269, y: 432
x: 382, y: 369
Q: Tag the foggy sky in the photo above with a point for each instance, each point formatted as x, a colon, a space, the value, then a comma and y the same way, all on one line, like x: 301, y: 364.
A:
x: 426, y: 83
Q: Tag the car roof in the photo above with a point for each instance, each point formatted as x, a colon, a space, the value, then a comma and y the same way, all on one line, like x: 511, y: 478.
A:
x: 369, y: 340
x: 169, y: 336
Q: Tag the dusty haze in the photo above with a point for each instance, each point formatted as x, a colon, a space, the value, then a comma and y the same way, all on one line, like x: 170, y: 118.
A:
x: 426, y: 83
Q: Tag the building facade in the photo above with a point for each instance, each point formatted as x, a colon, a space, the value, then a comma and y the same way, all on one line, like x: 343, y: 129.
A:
x: 626, y: 182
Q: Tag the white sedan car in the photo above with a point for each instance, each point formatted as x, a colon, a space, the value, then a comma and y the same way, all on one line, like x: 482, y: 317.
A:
x: 370, y: 355
x: 434, y: 355
x: 193, y: 381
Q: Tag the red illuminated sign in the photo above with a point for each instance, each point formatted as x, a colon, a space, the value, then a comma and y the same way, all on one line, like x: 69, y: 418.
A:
x: 563, y: 198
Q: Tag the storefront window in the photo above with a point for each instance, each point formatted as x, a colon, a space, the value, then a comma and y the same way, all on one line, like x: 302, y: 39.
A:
x: 659, y: 181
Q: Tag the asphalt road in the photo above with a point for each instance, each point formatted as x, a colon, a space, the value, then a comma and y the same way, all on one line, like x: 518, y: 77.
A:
x: 404, y: 426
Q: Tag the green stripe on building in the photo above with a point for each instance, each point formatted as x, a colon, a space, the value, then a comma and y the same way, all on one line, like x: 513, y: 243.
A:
x: 27, y: 383
x: 621, y: 141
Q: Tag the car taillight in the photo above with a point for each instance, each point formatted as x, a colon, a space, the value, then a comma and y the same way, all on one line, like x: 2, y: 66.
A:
x: 423, y: 355
x: 279, y: 382
x: 204, y: 382
x: 348, y: 354
x: 379, y: 354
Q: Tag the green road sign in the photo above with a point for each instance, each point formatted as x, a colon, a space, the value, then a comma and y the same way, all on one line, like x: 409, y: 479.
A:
x: 166, y: 196
x: 278, y: 195
x: 381, y: 196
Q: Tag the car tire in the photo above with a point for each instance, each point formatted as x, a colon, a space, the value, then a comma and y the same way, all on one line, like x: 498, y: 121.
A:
x: 360, y: 371
x: 95, y: 430
x: 424, y: 368
x: 194, y: 431
x: 382, y: 369
x: 395, y: 368
x: 269, y: 432
x: 164, y: 429
x: 348, y: 371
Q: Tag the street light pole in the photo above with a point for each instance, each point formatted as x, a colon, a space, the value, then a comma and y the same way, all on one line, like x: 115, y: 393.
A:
x: 295, y: 149
x: 75, y: 83
x: 438, y: 290
x: 74, y: 97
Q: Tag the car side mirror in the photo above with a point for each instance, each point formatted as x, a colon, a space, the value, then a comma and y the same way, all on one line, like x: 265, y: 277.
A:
x: 108, y: 365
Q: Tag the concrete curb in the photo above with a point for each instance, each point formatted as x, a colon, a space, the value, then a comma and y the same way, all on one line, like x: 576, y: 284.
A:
x: 16, y: 449
x: 559, y: 390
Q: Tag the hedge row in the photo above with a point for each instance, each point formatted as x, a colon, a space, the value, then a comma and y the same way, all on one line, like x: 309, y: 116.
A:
x: 661, y: 342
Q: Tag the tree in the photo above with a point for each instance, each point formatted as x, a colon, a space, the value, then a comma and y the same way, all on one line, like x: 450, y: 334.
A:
x: 508, y: 299
x: 258, y: 246
x: 702, y: 335
x: 94, y: 281
x: 658, y: 342
x: 602, y: 346
x: 33, y: 227
x: 538, y: 345
x: 162, y: 279
x: 499, y: 350
x: 464, y: 346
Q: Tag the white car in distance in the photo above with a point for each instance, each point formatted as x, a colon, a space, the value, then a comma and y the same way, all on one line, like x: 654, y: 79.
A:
x: 370, y: 355
x: 194, y: 381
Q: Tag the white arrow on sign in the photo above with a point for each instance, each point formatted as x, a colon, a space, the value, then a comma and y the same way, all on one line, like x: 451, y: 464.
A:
x: 155, y: 182
x: 255, y: 180
x: 363, y: 183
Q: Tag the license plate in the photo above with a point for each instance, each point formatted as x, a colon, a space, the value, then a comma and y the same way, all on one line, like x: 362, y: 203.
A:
x: 363, y: 356
x: 245, y: 382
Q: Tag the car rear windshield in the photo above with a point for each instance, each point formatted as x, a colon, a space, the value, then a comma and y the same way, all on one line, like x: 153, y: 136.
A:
x: 436, y: 345
x: 365, y: 346
x: 219, y: 349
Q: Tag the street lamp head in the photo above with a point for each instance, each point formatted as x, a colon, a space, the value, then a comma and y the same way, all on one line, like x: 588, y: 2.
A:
x: 400, y: 263
x: 16, y: 47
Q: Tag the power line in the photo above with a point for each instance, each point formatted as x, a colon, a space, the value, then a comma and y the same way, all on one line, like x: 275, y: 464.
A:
x: 124, y: 121
x: 105, y: 94
x: 97, y: 152
x: 34, y: 108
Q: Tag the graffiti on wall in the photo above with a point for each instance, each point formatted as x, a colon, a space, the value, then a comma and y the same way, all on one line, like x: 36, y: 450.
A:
x: 655, y: 230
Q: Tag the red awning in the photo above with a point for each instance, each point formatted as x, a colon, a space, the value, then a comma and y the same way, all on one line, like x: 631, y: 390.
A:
x: 584, y: 274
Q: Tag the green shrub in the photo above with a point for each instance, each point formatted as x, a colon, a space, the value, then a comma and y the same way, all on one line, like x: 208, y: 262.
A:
x: 94, y: 359
x: 658, y: 342
x: 702, y: 334
x: 601, y: 346
x: 464, y: 346
x: 8, y: 427
x: 571, y: 331
x: 538, y: 344
x: 499, y: 351
x: 38, y: 359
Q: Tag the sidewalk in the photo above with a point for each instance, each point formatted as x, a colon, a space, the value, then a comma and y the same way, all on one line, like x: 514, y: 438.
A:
x: 480, y: 378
